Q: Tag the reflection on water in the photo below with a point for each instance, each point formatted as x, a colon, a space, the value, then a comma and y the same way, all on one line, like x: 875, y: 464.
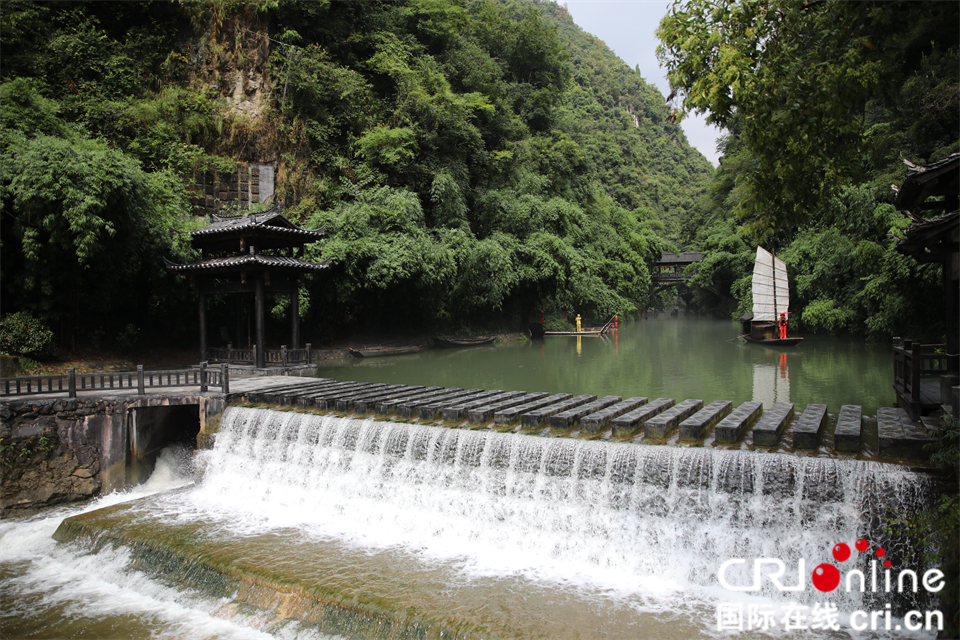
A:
x: 771, y: 383
x: 680, y: 358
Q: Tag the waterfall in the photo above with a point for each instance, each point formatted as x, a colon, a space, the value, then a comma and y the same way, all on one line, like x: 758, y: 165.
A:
x: 608, y: 515
x: 428, y: 527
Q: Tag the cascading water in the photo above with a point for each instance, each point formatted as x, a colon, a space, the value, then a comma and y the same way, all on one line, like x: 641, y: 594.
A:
x: 523, y: 536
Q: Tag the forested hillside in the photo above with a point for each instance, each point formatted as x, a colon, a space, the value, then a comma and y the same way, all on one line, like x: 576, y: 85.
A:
x: 821, y: 101
x: 474, y: 161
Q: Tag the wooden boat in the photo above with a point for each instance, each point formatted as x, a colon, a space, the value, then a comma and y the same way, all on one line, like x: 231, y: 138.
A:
x: 373, y: 352
x: 592, y: 332
x: 771, y: 298
x: 463, y: 342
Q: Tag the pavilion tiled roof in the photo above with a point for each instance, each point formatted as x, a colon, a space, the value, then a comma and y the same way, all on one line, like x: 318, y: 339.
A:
x: 271, y: 220
x: 250, y: 261
x: 924, y: 180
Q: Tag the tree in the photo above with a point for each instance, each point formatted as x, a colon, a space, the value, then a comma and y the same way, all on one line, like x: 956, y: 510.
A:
x: 799, y: 74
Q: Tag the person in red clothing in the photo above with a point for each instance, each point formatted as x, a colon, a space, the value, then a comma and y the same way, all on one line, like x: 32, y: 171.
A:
x: 783, y: 325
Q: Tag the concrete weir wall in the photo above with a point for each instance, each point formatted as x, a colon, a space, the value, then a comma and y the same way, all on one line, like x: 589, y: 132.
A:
x: 54, y: 451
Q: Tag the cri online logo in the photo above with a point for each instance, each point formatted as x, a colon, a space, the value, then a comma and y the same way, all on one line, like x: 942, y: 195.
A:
x: 826, y: 576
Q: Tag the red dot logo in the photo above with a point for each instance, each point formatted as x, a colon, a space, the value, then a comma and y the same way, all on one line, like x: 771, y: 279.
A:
x: 862, y: 544
x: 880, y: 552
x: 826, y: 577
x: 841, y: 552
x: 887, y: 563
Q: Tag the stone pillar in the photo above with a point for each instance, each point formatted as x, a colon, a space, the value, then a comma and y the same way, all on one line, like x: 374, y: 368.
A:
x: 259, y: 296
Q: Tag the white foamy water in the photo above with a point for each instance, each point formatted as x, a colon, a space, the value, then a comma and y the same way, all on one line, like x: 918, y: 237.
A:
x: 52, y: 590
x: 648, y: 522
x: 644, y: 526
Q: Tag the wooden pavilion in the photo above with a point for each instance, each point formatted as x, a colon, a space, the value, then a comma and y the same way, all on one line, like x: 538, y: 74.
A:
x: 934, y: 188
x: 256, y: 253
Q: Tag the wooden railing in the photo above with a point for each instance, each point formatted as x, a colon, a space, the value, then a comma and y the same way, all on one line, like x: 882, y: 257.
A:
x: 282, y: 356
x: 913, y: 361
x: 231, y: 355
x: 141, y: 380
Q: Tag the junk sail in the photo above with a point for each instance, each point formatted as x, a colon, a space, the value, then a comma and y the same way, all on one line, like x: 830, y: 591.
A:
x: 771, y: 291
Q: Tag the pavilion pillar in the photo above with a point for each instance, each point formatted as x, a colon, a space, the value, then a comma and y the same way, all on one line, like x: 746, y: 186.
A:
x: 203, y: 326
x: 295, y: 318
x: 951, y: 294
x: 238, y: 320
x: 258, y: 297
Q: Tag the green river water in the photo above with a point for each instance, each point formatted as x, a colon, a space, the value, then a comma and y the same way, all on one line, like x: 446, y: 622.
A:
x: 675, y: 357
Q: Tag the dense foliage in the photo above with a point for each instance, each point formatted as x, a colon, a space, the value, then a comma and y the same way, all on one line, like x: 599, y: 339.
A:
x: 473, y: 160
x: 819, y: 101
x: 24, y: 335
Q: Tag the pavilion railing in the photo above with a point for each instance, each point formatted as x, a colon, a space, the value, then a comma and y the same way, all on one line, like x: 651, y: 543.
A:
x: 272, y: 357
x: 141, y: 380
x: 231, y: 355
x: 913, y: 361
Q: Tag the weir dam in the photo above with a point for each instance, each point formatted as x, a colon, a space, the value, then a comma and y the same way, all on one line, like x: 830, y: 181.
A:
x: 321, y: 509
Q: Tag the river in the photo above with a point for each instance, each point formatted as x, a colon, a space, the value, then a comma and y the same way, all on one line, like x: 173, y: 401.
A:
x: 676, y: 357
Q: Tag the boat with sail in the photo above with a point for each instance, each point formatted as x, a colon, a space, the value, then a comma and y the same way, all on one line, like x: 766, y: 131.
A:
x: 771, y: 303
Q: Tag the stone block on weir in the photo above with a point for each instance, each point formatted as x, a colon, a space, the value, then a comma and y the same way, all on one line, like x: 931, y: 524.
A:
x: 486, y: 412
x: 694, y: 427
x: 534, y: 418
x: 566, y: 420
x: 387, y: 405
x: 806, y: 431
x: 597, y: 420
x: 901, y: 437
x: 847, y: 438
x: 770, y: 427
x: 629, y: 423
x: 409, y: 407
x: 322, y: 398
x: 434, y: 410
x: 458, y: 411
x: 512, y: 414
x: 657, y: 427
x: 351, y: 403
x: 730, y: 429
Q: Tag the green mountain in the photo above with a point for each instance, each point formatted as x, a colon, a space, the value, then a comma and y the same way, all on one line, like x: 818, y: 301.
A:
x: 474, y: 161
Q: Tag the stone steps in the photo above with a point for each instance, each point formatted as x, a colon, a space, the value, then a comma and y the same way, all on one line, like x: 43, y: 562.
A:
x: 847, y: 436
x: 657, y: 427
x: 538, y: 416
x: 630, y: 423
x: 486, y: 412
x: 454, y: 413
x: 694, y: 427
x: 807, y: 430
x: 730, y: 429
x: 512, y: 415
x: 566, y: 420
x: 899, y: 436
x: 598, y: 420
x: 771, y: 424
x: 435, y: 409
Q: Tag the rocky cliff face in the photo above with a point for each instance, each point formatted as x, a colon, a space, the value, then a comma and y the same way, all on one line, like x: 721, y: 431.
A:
x: 47, y: 455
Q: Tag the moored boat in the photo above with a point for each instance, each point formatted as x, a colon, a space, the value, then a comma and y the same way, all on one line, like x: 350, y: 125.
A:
x: 373, y: 352
x: 463, y: 342
x: 771, y: 303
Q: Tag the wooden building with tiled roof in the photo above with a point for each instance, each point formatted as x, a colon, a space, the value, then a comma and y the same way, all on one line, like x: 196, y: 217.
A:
x: 256, y: 254
x: 932, y: 188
